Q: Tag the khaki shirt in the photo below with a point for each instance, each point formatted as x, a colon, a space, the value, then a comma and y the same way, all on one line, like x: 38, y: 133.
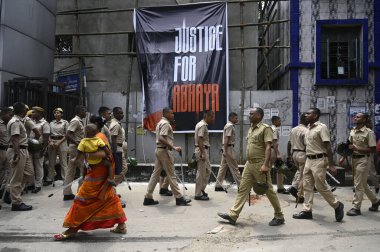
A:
x: 4, y: 138
x: 106, y: 131
x: 16, y: 127
x: 76, y: 126
x: 29, y: 125
x: 164, y: 128
x: 229, y: 131
x: 363, y: 137
x: 117, y: 130
x: 315, y: 137
x: 59, y: 128
x: 256, y: 139
x: 297, y: 137
x: 44, y: 128
x: 201, y: 130
x: 276, y: 133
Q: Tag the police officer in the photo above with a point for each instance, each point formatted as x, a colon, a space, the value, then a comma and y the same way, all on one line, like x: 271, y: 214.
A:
x: 75, y: 133
x: 275, y: 153
x: 362, y: 143
x: 117, y: 141
x: 57, y: 146
x: 202, y: 145
x: 297, y: 153
x: 318, y: 156
x: 229, y: 154
x: 17, y: 154
x: 105, y: 114
x: 5, y: 116
x: 165, y: 160
x: 256, y: 169
x: 38, y: 158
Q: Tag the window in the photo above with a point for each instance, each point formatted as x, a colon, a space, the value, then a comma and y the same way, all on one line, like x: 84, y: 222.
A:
x: 64, y: 44
x: 342, y: 52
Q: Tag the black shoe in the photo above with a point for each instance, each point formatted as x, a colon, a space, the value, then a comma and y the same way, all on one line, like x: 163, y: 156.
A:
x: 293, y: 191
x: 202, y: 197
x: 282, y: 191
x: 227, y: 217
x: 276, y: 222
x: 353, y: 189
x: 21, y: 207
x: 301, y: 200
x: 375, y: 207
x: 182, y: 201
x: 123, y: 205
x: 30, y: 188
x: 354, y: 212
x: 149, y: 202
x: 7, y: 198
x: 339, y: 213
x: 204, y: 193
x: 36, y: 190
x: 377, y: 189
x: 68, y: 197
x: 165, y: 192
x: 219, y: 189
x: 47, y: 183
x: 333, y: 189
x: 303, y: 215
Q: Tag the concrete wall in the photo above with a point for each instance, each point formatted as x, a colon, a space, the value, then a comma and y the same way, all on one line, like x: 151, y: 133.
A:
x: 27, y: 41
x: 108, y: 76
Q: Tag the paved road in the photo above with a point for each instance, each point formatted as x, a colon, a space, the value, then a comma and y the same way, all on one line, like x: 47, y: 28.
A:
x: 166, y: 227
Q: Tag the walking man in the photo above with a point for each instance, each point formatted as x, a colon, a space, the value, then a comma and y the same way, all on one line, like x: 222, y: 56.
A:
x: 297, y: 153
x: 318, y: 156
x: 165, y: 160
x: 202, y: 145
x: 75, y: 133
x: 105, y: 114
x: 362, y: 143
x: 17, y: 155
x: 57, y: 146
x: 229, y: 154
x: 275, y: 153
x: 256, y: 169
x: 5, y: 116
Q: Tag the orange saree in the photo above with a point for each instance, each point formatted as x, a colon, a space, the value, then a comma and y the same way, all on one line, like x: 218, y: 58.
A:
x: 96, y: 205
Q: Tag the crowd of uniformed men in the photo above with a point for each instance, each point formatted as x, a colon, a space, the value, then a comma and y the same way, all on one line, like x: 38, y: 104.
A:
x: 22, y: 160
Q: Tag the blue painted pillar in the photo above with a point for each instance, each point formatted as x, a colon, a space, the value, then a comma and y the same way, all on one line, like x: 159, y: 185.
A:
x: 294, y: 55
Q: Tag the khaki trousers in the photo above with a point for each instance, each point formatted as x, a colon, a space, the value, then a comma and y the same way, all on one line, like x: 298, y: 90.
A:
x: 62, y: 154
x: 203, y: 172
x: 299, y: 159
x: 229, y: 161
x: 38, y: 164
x: 279, y: 176
x: 120, y: 177
x: 4, y: 169
x: 164, y: 161
x: 372, y: 174
x: 314, y: 174
x: 164, y: 182
x: 71, y: 170
x: 20, y: 174
x: 252, y: 174
x: 361, y: 166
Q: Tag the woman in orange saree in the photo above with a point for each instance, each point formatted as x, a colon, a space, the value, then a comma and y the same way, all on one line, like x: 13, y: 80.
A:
x: 96, y: 205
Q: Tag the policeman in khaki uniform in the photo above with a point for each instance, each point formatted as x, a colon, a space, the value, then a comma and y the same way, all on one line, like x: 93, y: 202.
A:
x: 5, y: 116
x: 57, y: 146
x: 362, y: 142
x: 256, y: 169
x: 318, y: 156
x: 17, y: 155
x: 229, y: 154
x: 38, y: 158
x: 165, y: 160
x: 202, y: 145
x: 105, y: 114
x: 297, y: 153
x: 275, y: 153
x: 75, y: 133
x: 118, y: 140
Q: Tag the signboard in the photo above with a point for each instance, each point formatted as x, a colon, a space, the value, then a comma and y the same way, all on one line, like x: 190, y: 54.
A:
x: 182, y: 53
x: 72, y: 82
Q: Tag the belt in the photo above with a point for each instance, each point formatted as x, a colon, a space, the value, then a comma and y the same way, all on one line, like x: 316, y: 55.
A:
x: 3, y: 147
x: 162, y: 147
x: 204, y: 146
x: 359, y: 156
x: 119, y: 144
x: 56, y: 137
x: 316, y: 156
x: 255, y: 160
x: 298, y: 150
x: 231, y: 145
x: 21, y: 146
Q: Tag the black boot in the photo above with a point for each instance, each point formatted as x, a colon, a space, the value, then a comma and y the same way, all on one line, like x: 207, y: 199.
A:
x: 7, y: 198
x: 182, y: 201
x: 149, y: 202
